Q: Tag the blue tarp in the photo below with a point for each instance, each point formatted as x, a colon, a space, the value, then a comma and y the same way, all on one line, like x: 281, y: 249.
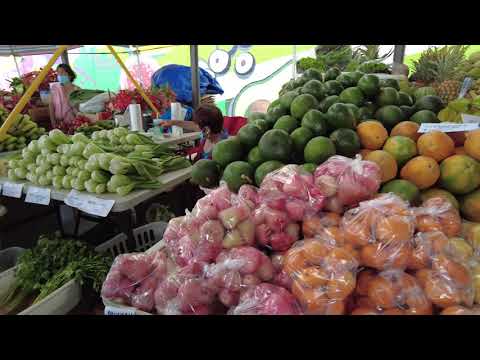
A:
x: 179, y: 78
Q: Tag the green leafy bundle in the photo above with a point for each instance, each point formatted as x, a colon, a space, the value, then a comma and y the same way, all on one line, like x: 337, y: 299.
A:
x: 52, y: 263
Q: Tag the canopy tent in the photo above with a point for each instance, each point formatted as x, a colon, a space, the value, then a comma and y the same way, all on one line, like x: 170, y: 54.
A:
x: 26, y: 50
x: 61, y: 49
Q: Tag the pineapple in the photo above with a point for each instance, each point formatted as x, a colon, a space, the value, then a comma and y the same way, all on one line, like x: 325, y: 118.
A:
x: 447, y: 84
x: 424, y: 68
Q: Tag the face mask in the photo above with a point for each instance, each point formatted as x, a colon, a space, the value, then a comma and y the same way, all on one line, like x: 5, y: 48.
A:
x: 63, y: 79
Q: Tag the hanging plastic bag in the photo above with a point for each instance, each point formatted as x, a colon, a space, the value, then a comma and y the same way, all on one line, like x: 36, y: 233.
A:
x: 179, y: 79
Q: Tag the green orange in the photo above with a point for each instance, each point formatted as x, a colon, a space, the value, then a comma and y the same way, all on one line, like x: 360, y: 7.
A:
x: 401, y: 148
x: 460, y: 174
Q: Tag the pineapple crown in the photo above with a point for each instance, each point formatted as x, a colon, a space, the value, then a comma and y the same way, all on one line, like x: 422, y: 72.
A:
x: 439, y: 64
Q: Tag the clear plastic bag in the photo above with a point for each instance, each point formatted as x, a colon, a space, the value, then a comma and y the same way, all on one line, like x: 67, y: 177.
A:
x: 323, y: 274
x: 291, y: 190
x: 391, y: 292
x: 133, y: 278
x: 220, y: 220
x: 347, y: 182
x: 266, y: 299
x: 438, y: 214
x: 382, y: 230
x: 274, y: 229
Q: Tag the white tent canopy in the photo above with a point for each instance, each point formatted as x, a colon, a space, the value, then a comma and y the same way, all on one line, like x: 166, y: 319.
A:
x: 26, y: 50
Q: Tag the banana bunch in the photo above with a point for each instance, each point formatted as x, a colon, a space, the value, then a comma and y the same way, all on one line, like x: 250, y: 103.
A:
x: 20, y: 134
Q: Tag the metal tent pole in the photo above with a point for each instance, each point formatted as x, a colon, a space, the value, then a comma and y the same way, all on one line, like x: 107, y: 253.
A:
x: 294, y: 65
x: 15, y: 60
x: 65, y: 58
x: 398, y: 55
x: 195, y: 76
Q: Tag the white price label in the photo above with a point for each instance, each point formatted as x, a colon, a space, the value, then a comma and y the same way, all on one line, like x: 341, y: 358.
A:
x: 470, y: 119
x: 12, y: 190
x: 111, y: 310
x: 89, y: 204
x: 37, y: 195
x: 446, y: 127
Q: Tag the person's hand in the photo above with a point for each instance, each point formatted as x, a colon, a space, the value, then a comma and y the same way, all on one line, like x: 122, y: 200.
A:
x: 169, y: 123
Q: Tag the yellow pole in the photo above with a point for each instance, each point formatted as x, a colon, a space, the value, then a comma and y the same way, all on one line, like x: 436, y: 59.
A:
x: 137, y: 86
x: 28, y: 94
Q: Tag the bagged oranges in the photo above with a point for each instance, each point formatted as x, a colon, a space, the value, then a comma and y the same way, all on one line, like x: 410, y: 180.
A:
x: 323, y: 275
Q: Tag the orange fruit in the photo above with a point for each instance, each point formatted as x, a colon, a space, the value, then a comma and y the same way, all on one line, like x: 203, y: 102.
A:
x: 354, y: 252
x: 406, y: 128
x: 330, y: 219
x: 422, y: 252
x: 423, y: 171
x: 386, y: 162
x: 363, y: 282
x: 340, y: 287
x: 441, y: 293
x: 312, y: 226
x: 438, y: 241
x: 358, y: 227
x: 455, y: 310
x: 341, y: 256
x: 335, y: 233
x: 451, y: 223
x: 364, y: 301
x: 364, y: 152
x: 427, y: 223
x: 312, y: 277
x: 460, y: 151
x: 453, y: 270
x: 382, y: 293
x: 312, y: 299
x: 334, y: 308
x: 394, y: 228
x: 294, y: 261
x: 372, y: 134
x: 460, y: 174
x: 393, y: 312
x: 315, y: 251
x: 472, y: 144
x: 444, y: 217
x: 381, y: 256
x: 364, y: 311
x: 423, y: 276
x: 436, y: 145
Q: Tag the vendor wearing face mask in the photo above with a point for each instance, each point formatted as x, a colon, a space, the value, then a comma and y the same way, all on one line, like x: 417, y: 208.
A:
x: 60, y: 109
x: 209, y: 119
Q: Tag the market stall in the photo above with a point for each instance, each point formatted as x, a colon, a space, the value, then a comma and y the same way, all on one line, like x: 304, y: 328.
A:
x: 356, y: 193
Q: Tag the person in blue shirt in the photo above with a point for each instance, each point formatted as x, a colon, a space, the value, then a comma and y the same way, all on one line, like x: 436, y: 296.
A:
x: 209, y: 120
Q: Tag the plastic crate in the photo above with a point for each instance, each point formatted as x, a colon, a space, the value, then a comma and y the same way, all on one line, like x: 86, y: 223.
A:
x: 9, y: 257
x: 145, y: 237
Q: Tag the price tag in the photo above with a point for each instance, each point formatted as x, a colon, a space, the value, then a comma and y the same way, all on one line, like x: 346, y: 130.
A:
x: 470, y: 119
x: 111, y: 310
x: 12, y: 190
x: 446, y: 127
x: 36, y: 195
x: 89, y: 204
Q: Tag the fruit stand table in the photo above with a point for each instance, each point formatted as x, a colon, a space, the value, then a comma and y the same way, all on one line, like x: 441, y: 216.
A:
x: 174, y: 140
x: 123, y: 209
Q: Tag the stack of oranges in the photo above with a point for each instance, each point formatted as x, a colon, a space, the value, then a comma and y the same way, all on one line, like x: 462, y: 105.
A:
x: 384, y: 257
x: 323, y: 274
x: 381, y: 229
